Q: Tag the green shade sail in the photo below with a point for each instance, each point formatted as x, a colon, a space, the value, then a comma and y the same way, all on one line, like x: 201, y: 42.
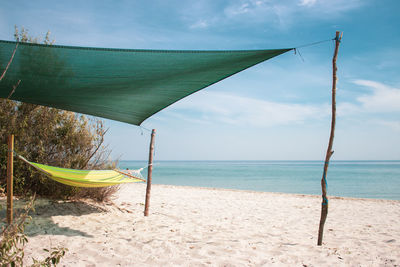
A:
x: 120, y: 84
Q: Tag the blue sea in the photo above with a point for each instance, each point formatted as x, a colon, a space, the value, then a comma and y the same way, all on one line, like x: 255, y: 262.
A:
x: 360, y: 179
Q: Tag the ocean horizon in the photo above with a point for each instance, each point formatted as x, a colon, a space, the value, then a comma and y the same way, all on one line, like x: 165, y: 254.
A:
x: 378, y: 179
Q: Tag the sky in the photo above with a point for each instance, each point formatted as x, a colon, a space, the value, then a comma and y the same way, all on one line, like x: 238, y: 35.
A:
x: 277, y: 110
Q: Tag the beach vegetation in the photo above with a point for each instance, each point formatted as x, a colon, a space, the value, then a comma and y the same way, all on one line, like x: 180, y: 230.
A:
x: 14, y: 239
x: 53, y: 137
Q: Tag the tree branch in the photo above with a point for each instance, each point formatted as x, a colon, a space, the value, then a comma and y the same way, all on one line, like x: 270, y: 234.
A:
x: 97, y: 148
x: 13, y: 90
x: 9, y: 62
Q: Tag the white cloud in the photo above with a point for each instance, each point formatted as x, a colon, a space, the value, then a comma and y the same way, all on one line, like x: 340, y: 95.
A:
x: 237, y: 110
x: 307, y: 2
x: 346, y: 109
x: 380, y: 104
x: 329, y: 6
x: 383, y: 98
x: 278, y: 13
x: 395, y: 125
x: 234, y: 10
x: 227, y: 108
x: 201, y: 24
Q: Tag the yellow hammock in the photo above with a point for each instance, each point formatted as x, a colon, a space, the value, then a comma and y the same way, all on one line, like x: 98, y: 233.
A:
x: 87, y: 178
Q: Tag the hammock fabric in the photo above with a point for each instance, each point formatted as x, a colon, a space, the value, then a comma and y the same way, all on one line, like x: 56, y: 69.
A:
x: 120, y: 84
x: 84, y: 178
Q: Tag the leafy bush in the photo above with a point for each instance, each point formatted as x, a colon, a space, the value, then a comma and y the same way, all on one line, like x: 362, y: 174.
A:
x: 50, y: 136
x: 13, y: 241
x: 99, y: 194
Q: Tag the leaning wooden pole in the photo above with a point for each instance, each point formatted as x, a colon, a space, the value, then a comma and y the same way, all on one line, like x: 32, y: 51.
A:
x: 149, y: 173
x: 10, y: 166
x: 329, y: 152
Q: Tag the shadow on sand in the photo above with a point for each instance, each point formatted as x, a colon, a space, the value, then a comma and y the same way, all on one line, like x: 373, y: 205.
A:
x: 42, y: 222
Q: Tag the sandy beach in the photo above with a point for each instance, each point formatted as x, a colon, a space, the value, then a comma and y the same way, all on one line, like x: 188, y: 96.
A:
x: 191, y: 226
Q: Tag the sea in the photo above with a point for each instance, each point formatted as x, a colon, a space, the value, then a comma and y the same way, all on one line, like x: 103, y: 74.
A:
x: 358, y: 179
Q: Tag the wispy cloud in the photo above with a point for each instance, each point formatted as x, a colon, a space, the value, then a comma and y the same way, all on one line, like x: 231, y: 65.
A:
x: 333, y: 7
x: 379, y: 99
x: 228, y: 108
x: 231, y: 109
x: 383, y: 98
x: 395, y: 125
x: 307, y: 2
x: 200, y: 24
x: 280, y: 13
x: 379, y: 106
x: 348, y: 109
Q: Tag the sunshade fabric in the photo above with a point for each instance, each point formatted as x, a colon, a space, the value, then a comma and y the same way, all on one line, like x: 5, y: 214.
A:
x: 120, y: 84
x: 83, y: 178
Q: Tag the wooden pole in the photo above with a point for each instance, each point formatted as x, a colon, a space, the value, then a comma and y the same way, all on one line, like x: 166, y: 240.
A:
x: 149, y: 172
x: 10, y: 166
x: 329, y: 152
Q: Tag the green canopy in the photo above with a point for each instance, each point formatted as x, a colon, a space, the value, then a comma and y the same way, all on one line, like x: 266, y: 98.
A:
x: 120, y: 84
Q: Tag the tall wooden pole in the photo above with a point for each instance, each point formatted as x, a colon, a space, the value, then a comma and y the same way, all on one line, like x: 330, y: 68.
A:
x: 149, y: 173
x: 10, y: 165
x: 329, y: 152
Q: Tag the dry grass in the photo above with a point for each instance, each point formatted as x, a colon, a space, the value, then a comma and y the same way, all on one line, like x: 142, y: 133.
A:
x: 99, y: 194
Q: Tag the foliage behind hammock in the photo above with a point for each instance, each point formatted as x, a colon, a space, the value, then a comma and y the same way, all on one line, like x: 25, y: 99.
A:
x: 52, y: 137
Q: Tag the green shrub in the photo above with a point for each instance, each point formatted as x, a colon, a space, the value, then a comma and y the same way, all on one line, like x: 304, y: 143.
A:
x: 49, y: 136
x: 13, y: 241
x: 99, y: 194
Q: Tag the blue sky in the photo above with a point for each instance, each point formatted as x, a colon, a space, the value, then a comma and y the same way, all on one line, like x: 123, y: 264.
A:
x: 277, y: 110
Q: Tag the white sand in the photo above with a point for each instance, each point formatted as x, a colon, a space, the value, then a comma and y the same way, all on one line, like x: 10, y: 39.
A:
x: 191, y: 226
